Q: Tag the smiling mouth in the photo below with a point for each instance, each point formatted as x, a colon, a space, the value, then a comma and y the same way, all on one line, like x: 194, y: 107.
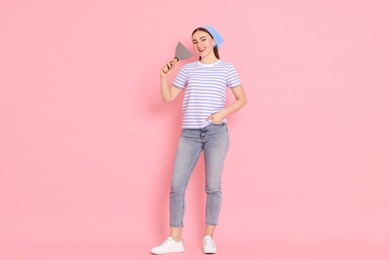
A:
x: 201, y: 50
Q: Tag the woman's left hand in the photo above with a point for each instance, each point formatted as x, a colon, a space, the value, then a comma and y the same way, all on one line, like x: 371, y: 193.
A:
x: 216, y: 118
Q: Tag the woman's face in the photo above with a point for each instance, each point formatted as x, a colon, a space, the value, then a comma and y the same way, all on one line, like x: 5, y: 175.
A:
x: 203, y: 43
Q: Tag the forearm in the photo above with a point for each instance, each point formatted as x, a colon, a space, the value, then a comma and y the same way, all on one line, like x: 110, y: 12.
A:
x: 165, y: 91
x: 234, y: 107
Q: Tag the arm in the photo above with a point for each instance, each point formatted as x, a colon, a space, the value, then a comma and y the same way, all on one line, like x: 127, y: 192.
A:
x: 241, y: 101
x: 168, y: 93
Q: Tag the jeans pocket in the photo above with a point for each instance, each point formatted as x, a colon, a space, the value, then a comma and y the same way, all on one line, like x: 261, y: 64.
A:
x: 221, y: 124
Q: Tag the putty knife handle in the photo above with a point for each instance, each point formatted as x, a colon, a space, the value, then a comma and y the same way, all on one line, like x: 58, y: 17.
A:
x: 173, y: 62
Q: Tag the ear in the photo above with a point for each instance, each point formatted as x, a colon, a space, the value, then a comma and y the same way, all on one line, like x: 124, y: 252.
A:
x: 214, y: 43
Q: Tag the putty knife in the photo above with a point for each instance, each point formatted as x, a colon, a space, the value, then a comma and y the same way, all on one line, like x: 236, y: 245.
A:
x: 181, y: 53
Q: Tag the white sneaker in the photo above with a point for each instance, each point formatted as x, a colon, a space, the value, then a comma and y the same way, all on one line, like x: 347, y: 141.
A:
x: 209, y: 246
x: 169, y: 246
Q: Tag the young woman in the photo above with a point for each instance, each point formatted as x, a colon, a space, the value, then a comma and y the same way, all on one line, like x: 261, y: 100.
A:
x: 204, y: 129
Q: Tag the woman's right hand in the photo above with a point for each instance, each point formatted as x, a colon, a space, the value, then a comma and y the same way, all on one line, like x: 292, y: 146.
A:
x: 167, y: 69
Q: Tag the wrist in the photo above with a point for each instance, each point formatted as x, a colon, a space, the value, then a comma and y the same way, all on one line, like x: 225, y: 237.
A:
x: 223, y: 113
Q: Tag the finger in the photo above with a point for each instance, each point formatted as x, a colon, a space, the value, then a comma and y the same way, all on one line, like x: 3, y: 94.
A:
x: 166, y: 66
x: 211, y: 116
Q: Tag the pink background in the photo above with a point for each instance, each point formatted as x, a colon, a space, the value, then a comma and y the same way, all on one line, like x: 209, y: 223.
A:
x: 87, y: 146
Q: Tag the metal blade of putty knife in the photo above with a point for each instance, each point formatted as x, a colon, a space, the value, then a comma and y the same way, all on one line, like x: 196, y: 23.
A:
x: 182, y: 53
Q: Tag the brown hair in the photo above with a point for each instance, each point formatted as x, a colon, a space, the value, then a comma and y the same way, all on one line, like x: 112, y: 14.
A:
x: 215, y: 49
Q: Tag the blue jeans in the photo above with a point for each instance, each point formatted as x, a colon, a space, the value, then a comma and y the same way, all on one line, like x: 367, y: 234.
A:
x: 214, y: 141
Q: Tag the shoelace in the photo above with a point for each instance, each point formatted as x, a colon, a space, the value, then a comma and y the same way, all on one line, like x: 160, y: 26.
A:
x: 165, y: 243
x: 209, y: 242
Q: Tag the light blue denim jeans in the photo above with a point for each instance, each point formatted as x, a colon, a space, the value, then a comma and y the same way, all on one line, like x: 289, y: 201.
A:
x: 214, y: 141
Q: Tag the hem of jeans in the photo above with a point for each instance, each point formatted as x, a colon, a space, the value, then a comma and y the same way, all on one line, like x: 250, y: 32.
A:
x: 211, y: 224
x: 176, y: 226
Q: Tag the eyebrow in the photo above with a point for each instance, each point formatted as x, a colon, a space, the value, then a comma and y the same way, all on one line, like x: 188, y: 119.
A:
x: 199, y: 38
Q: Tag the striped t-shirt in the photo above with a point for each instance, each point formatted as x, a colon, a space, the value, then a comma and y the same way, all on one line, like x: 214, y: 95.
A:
x: 206, y: 90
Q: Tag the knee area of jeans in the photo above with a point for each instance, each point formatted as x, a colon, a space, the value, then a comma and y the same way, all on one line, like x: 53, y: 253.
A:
x: 213, y: 190
x: 177, y: 190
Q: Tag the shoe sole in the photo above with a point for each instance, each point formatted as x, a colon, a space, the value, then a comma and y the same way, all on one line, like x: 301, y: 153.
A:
x: 165, y: 253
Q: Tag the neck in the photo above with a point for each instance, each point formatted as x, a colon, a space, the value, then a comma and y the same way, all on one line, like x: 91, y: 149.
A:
x: 208, y: 59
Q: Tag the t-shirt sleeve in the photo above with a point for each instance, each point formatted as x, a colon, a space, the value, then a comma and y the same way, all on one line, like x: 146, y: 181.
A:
x: 233, y: 80
x: 181, y: 78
